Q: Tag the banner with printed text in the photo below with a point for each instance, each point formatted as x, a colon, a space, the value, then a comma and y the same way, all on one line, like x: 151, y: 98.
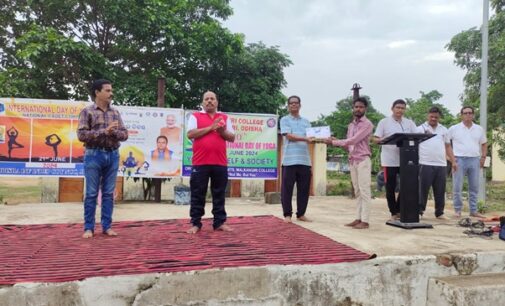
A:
x: 39, y: 138
x: 253, y: 155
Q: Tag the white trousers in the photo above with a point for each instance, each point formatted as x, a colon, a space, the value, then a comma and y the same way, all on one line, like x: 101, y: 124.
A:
x: 361, y: 181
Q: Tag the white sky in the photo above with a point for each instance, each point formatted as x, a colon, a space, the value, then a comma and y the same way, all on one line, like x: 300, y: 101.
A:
x: 392, y: 48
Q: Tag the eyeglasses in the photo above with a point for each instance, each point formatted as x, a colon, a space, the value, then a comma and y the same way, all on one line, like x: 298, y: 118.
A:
x: 467, y: 113
x: 293, y: 102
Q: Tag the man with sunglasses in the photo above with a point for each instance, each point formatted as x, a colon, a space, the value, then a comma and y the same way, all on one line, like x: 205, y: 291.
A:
x: 470, y: 148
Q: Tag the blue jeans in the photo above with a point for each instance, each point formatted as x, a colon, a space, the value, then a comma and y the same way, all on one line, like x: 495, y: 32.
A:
x: 469, y: 166
x: 100, y: 171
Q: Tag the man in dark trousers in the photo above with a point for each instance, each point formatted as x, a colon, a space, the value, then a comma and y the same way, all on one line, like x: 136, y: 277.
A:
x: 209, y: 130
x: 101, y: 129
x: 296, y: 164
x: 433, y: 156
x: 390, y: 154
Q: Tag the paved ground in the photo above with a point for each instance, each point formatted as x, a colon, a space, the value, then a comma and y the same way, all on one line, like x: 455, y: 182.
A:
x: 329, y: 214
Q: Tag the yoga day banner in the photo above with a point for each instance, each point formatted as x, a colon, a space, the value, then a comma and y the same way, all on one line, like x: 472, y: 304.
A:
x: 39, y: 138
x: 253, y: 155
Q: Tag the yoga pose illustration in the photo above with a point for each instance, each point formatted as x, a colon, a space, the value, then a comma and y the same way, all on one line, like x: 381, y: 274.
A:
x: 53, y: 140
x: 13, y: 144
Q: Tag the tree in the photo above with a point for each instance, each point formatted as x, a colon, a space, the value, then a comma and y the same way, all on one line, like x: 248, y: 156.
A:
x: 253, y: 80
x: 418, y: 109
x: 53, y: 48
x: 467, y: 48
x: 338, y: 121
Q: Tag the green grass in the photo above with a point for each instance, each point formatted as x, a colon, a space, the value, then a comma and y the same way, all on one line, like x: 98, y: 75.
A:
x: 27, y: 191
x: 339, y: 184
x: 495, y: 192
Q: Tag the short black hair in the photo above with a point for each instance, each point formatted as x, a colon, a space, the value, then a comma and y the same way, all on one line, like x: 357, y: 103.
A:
x: 162, y: 137
x: 465, y: 107
x: 295, y: 97
x: 399, y: 101
x: 215, y: 94
x: 362, y: 100
x: 435, y: 109
x: 98, y: 85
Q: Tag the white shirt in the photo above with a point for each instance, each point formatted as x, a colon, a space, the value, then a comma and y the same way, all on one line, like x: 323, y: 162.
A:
x: 432, y: 151
x: 390, y: 154
x: 192, y: 124
x: 466, y: 142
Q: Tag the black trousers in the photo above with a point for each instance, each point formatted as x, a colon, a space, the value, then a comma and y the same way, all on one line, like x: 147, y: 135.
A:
x: 390, y: 175
x: 301, y: 175
x: 435, y: 177
x: 198, y: 182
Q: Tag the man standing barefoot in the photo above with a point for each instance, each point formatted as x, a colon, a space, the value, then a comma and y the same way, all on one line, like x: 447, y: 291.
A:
x: 390, y: 154
x: 101, y: 129
x: 296, y: 165
x: 209, y: 130
x: 433, y: 156
x: 357, y: 144
x: 470, y: 149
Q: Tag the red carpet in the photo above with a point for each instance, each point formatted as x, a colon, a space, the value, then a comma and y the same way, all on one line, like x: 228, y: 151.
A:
x: 56, y: 253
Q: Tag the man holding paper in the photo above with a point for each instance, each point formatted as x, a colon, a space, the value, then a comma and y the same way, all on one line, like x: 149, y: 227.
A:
x: 296, y: 165
x: 357, y: 143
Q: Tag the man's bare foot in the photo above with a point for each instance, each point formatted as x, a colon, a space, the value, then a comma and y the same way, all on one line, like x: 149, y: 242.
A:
x: 287, y: 219
x: 224, y: 228
x: 361, y: 225
x: 304, y: 219
x: 193, y: 230
x: 110, y: 232
x: 87, y: 234
x: 353, y: 223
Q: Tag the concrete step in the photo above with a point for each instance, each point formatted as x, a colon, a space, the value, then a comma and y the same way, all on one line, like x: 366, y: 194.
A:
x: 467, y: 290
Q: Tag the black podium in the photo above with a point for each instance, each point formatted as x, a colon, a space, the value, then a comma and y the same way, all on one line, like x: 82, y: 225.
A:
x: 409, y: 178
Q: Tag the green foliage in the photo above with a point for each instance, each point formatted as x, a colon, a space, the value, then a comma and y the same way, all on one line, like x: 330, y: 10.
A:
x: 482, y: 207
x: 53, y: 48
x: 338, y: 121
x: 467, y: 47
x: 253, y: 81
x: 417, y: 110
x: 339, y: 184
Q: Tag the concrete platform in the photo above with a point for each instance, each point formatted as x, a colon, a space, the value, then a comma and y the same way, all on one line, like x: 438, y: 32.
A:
x: 407, y: 261
x: 482, y: 289
x: 329, y: 214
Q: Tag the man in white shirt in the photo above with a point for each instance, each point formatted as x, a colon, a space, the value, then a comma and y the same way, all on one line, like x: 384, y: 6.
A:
x: 470, y: 148
x: 433, y: 155
x: 390, y: 154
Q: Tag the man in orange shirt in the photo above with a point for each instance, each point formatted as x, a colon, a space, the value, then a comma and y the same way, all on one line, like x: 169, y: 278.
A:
x: 161, y: 152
